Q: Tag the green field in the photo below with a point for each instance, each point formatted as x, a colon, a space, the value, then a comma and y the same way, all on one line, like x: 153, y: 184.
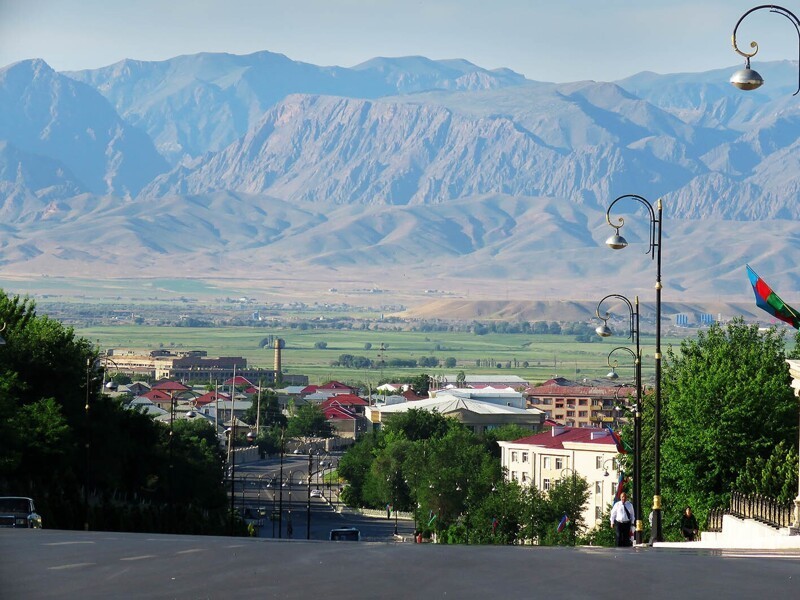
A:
x: 547, y: 355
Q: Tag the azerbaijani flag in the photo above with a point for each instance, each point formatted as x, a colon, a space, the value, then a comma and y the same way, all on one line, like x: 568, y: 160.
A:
x: 617, y: 441
x: 621, y: 481
x: 562, y: 523
x: 769, y: 301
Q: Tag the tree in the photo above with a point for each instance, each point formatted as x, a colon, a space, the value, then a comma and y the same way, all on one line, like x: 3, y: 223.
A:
x: 270, y: 411
x: 727, y: 399
x: 421, y: 383
x: 75, y: 449
x: 320, y: 345
x: 309, y: 421
x: 450, y: 362
x: 461, y: 379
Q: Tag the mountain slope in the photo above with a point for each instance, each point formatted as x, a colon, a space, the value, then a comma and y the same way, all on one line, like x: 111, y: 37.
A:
x: 50, y: 115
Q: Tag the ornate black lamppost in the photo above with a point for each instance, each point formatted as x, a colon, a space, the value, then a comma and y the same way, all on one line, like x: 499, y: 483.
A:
x: 617, y: 242
x: 634, y: 334
x: 747, y: 78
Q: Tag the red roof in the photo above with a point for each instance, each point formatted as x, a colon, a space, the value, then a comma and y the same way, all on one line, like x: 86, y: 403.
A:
x: 309, y: 389
x: 238, y: 381
x: 157, y: 396
x: 169, y: 386
x: 581, y: 435
x: 209, y: 397
x: 411, y: 395
x: 576, y: 391
x: 334, y: 385
x: 336, y: 412
x: 344, y: 400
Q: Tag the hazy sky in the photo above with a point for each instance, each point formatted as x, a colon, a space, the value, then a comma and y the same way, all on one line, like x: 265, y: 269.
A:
x: 547, y: 40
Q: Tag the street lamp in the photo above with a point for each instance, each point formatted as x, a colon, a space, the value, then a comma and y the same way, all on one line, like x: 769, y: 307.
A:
x: 747, y: 78
x: 635, y: 336
x: 394, y: 502
x: 637, y: 437
x: 617, y: 242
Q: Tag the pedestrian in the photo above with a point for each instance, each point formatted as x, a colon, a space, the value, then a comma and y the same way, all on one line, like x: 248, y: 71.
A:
x: 622, y: 517
x: 689, y: 526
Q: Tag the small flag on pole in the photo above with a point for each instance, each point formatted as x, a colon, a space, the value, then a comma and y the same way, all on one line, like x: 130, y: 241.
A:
x: 562, y: 523
x: 617, y: 441
x: 621, y: 481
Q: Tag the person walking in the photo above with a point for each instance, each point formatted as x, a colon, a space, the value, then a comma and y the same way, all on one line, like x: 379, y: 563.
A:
x: 622, y: 517
x: 689, y: 526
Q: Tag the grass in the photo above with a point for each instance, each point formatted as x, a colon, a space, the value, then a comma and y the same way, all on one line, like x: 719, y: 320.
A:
x: 547, y: 355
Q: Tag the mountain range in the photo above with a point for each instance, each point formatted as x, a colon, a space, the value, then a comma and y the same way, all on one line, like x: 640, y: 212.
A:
x: 405, y: 173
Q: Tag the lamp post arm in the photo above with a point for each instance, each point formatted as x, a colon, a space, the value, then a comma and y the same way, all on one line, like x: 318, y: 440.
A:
x: 633, y: 326
x: 785, y: 12
x: 654, y: 220
x: 628, y: 350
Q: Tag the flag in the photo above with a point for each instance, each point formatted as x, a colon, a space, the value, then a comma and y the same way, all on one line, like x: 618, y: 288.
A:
x: 769, y: 301
x: 621, y: 481
x: 562, y: 523
x: 432, y: 518
x: 617, y: 441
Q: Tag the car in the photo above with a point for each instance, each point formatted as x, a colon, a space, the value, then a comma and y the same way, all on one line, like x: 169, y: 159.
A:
x: 316, y: 493
x: 20, y: 512
x: 345, y: 534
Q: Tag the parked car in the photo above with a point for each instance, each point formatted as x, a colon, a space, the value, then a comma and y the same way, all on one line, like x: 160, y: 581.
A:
x: 17, y: 511
x: 316, y: 493
x: 345, y: 534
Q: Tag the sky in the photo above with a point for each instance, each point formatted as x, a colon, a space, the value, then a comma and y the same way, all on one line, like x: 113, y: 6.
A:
x: 546, y: 40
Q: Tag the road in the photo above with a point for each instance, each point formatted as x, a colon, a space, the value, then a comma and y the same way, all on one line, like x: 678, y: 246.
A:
x: 45, y: 563
x: 258, y: 490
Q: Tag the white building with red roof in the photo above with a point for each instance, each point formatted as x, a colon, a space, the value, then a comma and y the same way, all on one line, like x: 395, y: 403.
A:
x: 545, y: 459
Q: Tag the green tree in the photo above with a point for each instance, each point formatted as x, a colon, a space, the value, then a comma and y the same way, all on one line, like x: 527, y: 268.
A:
x: 270, y: 411
x: 309, y: 421
x: 450, y: 362
x: 726, y: 399
x: 421, y: 383
x: 81, y: 454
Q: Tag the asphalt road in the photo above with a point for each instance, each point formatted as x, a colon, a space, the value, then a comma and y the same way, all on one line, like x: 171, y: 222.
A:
x: 91, y: 565
x: 260, y: 485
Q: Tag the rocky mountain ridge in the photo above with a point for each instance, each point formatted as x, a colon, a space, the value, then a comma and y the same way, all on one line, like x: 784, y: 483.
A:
x: 398, y: 168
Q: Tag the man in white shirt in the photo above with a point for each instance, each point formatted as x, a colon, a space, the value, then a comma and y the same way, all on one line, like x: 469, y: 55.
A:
x: 622, y: 517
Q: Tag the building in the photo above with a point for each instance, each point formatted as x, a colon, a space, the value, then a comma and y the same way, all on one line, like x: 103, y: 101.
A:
x: 503, y: 397
x: 495, y: 381
x: 476, y: 415
x: 545, y: 459
x: 575, y: 404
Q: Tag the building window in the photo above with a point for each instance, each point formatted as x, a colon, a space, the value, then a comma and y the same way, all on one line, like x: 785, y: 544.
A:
x: 514, y: 456
x: 524, y: 477
x: 583, y: 413
x: 598, y: 462
x: 614, y: 490
x: 559, y: 463
x: 546, y: 485
x: 547, y: 401
x: 583, y: 402
x: 546, y: 462
x: 559, y: 416
x: 570, y: 413
x: 524, y: 457
x: 513, y: 475
x: 598, y: 487
x: 598, y: 512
